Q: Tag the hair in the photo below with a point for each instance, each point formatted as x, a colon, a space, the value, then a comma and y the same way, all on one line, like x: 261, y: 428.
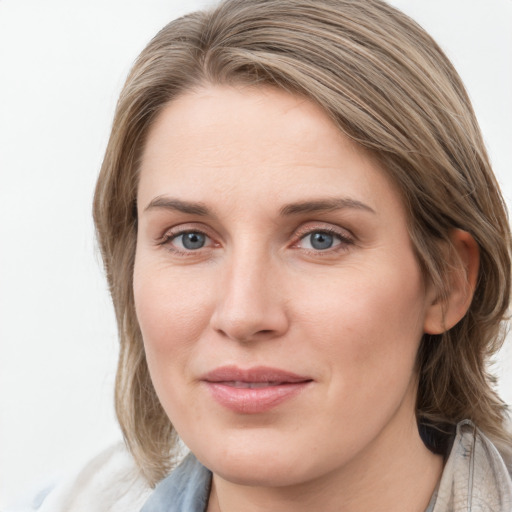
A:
x: 388, y: 86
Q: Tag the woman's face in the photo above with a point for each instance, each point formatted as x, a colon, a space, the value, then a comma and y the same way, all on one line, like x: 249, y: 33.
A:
x: 278, y: 295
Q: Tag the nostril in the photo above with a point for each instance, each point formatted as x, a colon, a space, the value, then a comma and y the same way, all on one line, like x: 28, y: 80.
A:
x: 262, y: 334
x: 245, y: 316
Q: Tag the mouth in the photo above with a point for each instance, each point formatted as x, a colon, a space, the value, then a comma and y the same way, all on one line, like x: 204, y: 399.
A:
x: 255, y: 390
x: 252, y: 385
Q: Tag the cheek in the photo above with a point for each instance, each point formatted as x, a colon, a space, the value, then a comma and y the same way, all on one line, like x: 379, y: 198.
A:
x: 171, y: 316
x: 171, y: 312
x: 369, y: 323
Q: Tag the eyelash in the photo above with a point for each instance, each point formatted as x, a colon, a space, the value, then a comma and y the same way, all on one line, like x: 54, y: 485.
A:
x: 344, y: 241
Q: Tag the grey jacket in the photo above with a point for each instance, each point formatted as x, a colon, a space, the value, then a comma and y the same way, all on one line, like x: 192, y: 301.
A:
x: 475, y: 477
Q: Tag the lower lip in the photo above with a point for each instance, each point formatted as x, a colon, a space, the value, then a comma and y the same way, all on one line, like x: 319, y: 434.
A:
x: 254, y: 400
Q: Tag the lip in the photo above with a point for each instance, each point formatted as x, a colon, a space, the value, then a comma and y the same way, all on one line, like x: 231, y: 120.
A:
x: 253, y: 390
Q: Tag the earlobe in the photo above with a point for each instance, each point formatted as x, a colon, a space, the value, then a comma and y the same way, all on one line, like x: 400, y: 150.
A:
x: 462, y: 276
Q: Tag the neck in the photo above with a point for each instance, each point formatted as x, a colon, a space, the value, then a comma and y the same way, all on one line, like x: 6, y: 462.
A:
x: 397, y: 472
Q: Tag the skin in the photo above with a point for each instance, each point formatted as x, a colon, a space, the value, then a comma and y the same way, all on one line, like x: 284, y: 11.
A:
x: 258, y: 292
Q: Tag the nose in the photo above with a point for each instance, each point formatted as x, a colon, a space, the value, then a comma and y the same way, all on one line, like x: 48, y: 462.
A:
x: 250, y: 302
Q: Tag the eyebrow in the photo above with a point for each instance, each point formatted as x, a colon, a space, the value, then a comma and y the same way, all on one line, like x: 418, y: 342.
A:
x: 313, y: 206
x: 168, y: 203
x: 324, y: 205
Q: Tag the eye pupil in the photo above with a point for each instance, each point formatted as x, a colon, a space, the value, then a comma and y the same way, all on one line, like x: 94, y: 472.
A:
x: 193, y: 240
x: 321, y: 240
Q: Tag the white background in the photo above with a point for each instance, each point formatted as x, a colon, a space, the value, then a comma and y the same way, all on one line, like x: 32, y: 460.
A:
x: 62, y: 64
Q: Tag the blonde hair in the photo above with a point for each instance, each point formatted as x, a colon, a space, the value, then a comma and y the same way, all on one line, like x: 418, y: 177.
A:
x: 387, y: 85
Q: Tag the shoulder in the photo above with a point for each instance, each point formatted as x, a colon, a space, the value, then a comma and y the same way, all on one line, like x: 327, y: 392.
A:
x: 109, y: 482
x: 186, y: 489
x: 475, y: 473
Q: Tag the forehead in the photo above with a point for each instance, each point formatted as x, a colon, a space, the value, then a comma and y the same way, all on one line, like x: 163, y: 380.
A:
x: 228, y: 142
x: 195, y: 118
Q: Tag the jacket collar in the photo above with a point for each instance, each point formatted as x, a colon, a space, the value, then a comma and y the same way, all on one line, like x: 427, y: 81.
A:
x: 475, y: 477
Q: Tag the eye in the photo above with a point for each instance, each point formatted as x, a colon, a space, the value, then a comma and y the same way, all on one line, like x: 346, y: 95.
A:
x: 323, y: 240
x: 319, y: 240
x: 188, y: 240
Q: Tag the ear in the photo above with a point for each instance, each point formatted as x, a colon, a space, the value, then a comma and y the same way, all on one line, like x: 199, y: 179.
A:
x: 464, y: 262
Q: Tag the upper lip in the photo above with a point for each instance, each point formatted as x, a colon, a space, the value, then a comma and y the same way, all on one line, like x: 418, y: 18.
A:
x: 255, y: 374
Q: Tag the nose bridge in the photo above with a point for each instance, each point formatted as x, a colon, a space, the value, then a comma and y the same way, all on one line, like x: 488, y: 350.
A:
x: 249, y: 303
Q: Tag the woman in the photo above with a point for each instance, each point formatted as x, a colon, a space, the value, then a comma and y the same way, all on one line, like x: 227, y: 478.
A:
x: 309, y: 259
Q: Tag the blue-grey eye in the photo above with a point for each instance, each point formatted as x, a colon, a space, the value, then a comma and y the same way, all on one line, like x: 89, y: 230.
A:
x: 321, y: 240
x: 193, y: 240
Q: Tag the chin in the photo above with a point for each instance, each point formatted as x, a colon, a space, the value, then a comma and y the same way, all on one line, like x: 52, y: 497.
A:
x: 258, y: 460
x: 257, y: 472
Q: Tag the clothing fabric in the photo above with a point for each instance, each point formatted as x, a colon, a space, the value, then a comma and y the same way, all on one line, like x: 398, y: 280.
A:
x: 110, y: 482
x: 186, y: 488
x: 475, y: 479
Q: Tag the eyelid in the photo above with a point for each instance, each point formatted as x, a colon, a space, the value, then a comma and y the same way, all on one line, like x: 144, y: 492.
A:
x: 311, y: 227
